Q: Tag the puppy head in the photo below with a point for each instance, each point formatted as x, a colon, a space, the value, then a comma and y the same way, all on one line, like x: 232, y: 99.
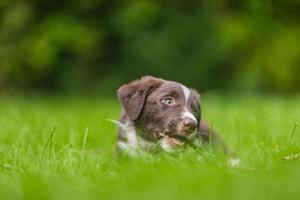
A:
x: 158, y: 106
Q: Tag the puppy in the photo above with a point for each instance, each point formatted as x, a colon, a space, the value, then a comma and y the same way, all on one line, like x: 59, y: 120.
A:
x: 161, y: 114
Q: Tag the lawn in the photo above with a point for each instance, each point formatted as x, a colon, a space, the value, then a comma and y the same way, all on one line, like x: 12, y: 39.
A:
x: 63, y: 148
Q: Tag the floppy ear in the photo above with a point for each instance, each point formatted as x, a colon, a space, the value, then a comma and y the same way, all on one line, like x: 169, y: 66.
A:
x: 133, y: 95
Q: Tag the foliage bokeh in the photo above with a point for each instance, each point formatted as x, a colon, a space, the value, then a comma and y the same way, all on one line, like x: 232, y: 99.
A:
x: 92, y: 45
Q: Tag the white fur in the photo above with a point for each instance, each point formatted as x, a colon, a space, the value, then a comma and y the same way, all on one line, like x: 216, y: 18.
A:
x: 165, y: 145
x: 131, y: 137
x: 144, y: 144
x: 129, y: 132
x: 126, y: 148
x: 186, y: 113
x: 186, y: 92
x: 134, y: 141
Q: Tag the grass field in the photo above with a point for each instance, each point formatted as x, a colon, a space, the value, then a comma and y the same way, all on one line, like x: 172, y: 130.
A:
x: 63, y: 148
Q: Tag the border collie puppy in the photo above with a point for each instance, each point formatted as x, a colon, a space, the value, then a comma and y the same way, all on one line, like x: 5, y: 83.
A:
x: 161, y: 114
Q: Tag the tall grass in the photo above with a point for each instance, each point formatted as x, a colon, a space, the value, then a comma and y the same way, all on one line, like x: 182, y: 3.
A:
x: 63, y: 148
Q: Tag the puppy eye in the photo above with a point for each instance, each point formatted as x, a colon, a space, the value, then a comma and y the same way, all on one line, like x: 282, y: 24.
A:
x: 168, y: 101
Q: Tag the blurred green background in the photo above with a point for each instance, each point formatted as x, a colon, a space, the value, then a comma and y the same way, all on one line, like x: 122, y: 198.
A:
x: 57, y: 49
x: 93, y: 46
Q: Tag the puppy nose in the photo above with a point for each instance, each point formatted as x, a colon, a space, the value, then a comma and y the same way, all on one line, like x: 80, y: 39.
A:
x: 190, y: 123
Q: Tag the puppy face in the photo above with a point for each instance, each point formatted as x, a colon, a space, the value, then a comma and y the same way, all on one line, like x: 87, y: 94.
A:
x: 164, y: 107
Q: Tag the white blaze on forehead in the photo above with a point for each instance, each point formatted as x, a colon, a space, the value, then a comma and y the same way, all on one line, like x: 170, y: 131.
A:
x: 186, y: 113
x: 186, y: 92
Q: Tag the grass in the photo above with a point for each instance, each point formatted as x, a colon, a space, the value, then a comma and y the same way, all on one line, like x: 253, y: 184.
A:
x: 63, y: 148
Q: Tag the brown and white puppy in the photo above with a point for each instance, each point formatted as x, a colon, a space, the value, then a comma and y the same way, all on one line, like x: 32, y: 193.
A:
x: 157, y: 111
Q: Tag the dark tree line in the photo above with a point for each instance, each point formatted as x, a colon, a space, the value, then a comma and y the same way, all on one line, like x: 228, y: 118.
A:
x: 92, y: 45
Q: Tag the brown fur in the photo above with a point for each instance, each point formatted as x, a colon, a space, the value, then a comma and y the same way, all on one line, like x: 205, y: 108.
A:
x: 141, y: 100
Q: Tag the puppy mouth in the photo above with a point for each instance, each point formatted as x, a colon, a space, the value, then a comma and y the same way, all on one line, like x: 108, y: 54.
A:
x: 170, y: 134
x: 172, y: 130
x: 176, y: 140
